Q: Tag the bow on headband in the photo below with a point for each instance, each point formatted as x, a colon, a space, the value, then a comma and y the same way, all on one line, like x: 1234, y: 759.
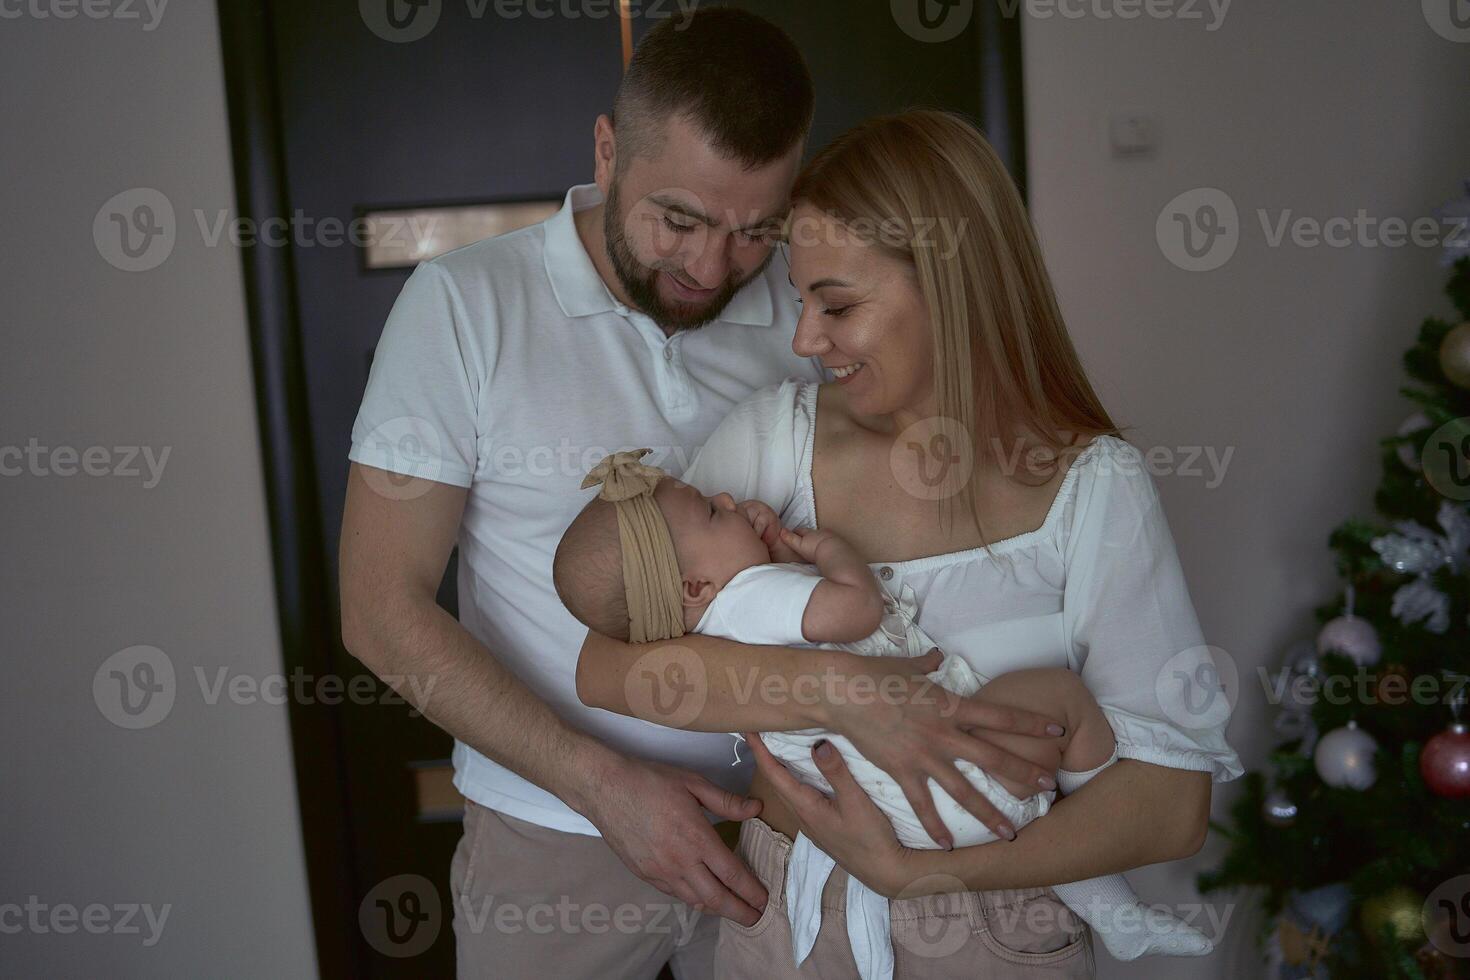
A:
x: 651, y: 577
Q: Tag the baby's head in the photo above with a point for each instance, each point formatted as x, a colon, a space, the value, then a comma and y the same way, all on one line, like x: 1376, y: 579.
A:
x: 713, y: 541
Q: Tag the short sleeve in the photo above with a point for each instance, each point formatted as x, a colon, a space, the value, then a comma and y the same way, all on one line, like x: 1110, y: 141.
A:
x: 763, y: 604
x: 418, y: 414
x: 1132, y: 626
x: 756, y: 452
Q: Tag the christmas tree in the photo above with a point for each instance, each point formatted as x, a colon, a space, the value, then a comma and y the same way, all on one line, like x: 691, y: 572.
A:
x: 1359, y: 836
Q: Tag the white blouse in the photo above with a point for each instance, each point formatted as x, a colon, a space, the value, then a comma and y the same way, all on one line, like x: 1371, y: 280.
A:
x: 1097, y: 588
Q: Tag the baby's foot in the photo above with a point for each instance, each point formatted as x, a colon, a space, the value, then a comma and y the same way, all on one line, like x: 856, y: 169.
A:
x: 1149, y: 931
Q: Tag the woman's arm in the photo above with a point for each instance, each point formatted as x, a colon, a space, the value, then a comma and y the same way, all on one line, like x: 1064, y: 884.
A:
x: 1131, y: 814
x: 897, y: 718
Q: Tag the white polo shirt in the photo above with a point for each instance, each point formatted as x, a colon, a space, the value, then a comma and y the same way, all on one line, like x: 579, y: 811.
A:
x: 509, y: 368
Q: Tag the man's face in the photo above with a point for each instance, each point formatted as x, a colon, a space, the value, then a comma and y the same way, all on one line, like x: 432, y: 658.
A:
x: 687, y: 227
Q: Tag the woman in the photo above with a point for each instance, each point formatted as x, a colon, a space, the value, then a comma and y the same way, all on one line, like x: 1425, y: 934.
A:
x: 963, y: 452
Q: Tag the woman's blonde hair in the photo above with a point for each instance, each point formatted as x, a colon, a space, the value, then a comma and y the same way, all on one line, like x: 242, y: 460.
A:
x: 930, y: 190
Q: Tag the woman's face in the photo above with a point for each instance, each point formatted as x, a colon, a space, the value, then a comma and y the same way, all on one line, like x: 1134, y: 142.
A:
x: 862, y: 313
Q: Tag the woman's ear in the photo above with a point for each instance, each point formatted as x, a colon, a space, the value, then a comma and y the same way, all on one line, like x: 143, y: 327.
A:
x: 697, y: 592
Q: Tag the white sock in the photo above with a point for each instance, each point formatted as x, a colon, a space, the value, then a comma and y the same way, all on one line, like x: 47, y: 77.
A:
x: 1128, y: 928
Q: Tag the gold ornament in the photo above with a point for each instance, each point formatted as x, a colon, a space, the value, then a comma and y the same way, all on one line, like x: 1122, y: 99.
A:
x: 1454, y: 355
x: 1302, y: 948
x: 1399, y: 908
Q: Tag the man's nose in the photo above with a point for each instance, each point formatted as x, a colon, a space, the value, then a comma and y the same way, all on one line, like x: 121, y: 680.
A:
x: 710, y: 267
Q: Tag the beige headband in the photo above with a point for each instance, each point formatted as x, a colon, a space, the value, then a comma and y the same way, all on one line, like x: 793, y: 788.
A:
x: 650, y: 566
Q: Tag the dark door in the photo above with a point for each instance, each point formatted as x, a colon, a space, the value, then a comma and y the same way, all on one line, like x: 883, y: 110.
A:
x: 486, y: 107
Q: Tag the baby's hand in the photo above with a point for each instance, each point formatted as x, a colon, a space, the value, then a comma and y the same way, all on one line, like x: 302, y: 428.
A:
x: 804, y: 542
x: 764, y: 520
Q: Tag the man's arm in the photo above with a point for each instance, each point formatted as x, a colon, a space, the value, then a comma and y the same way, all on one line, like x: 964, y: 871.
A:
x: 393, y: 554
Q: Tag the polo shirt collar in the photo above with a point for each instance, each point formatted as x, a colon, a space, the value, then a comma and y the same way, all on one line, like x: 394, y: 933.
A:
x: 581, y: 291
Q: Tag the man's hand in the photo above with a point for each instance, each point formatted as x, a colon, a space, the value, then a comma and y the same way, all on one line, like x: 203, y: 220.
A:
x: 652, y: 816
x: 915, y: 730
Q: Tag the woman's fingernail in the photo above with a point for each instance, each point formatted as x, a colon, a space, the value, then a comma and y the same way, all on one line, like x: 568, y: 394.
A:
x: 1055, y: 729
x: 1008, y: 832
x: 823, y: 749
x: 946, y: 843
x: 1047, y: 782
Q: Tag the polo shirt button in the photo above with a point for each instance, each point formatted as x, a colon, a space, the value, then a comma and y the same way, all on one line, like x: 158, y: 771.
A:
x: 885, y: 573
x: 668, y: 353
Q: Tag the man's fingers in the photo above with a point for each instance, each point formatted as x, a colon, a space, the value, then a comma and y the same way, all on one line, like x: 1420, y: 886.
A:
x: 734, y: 875
x: 722, y: 802
x: 974, y: 713
x: 716, y: 898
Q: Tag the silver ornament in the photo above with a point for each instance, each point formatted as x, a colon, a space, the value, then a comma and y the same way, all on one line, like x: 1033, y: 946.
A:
x: 1344, y: 758
x: 1418, y: 551
x: 1352, y: 637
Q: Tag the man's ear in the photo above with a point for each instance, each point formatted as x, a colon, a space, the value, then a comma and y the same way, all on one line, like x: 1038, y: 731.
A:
x: 697, y: 592
x: 604, y: 152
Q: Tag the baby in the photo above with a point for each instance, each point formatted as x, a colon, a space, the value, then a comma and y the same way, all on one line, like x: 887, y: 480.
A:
x: 653, y: 558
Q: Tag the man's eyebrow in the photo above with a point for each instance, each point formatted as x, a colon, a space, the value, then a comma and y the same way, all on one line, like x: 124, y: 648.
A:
x: 679, y: 207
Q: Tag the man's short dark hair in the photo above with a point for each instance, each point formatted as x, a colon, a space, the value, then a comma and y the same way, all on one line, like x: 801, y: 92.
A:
x: 737, y: 76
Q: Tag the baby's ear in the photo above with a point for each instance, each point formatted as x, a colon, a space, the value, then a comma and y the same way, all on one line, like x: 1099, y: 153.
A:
x: 697, y: 593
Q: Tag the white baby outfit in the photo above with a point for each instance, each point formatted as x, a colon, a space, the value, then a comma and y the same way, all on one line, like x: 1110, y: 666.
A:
x: 1097, y: 589
x: 764, y: 604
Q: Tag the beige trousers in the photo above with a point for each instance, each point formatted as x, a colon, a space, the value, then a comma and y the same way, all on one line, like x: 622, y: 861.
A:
x: 530, y: 902
x: 1016, y: 934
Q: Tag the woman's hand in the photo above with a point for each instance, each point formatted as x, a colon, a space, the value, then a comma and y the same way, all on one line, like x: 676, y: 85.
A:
x: 915, y: 730
x: 848, y: 827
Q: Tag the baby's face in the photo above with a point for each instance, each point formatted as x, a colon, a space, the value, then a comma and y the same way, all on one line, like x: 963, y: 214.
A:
x: 714, y: 540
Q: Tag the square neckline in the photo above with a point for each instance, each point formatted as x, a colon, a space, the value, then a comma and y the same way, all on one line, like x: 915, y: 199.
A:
x: 994, y: 549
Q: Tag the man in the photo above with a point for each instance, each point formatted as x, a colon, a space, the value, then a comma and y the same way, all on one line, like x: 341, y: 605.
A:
x: 637, y: 316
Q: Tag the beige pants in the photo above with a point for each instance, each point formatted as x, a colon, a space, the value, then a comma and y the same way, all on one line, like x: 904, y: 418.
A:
x: 530, y: 902
x: 994, y: 935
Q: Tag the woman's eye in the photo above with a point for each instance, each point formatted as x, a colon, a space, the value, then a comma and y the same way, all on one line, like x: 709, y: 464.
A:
x: 677, y: 228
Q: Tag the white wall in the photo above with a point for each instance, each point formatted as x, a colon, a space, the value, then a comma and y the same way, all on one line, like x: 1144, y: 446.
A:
x: 1289, y: 355
x: 197, y: 812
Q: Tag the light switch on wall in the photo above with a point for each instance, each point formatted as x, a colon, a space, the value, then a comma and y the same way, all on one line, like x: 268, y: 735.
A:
x: 1132, y: 133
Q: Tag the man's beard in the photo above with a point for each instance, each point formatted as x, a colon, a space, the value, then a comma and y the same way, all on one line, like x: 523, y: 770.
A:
x: 640, y: 281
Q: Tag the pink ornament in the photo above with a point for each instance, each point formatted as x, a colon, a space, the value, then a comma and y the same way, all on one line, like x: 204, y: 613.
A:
x: 1445, y: 762
x: 1352, y: 637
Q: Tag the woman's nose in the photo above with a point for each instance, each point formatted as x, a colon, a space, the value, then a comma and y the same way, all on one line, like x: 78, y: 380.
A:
x: 809, y: 341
